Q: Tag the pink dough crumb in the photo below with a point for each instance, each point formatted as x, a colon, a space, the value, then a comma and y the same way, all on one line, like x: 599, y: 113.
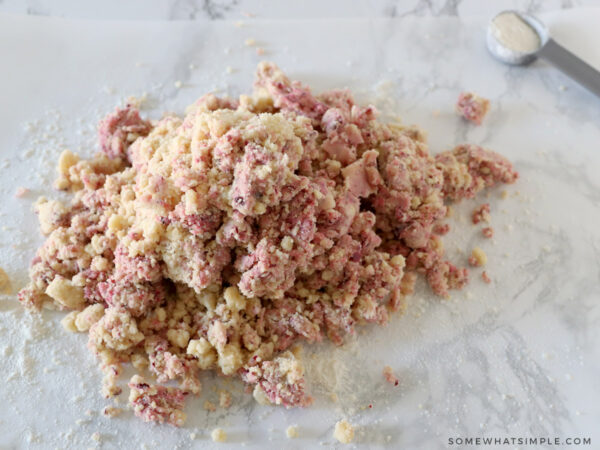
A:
x: 21, y: 192
x: 472, y: 107
x: 488, y: 232
x: 390, y: 377
x: 481, y: 213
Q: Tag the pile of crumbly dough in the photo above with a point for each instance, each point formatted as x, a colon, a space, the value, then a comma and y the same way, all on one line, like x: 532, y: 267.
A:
x: 217, y: 241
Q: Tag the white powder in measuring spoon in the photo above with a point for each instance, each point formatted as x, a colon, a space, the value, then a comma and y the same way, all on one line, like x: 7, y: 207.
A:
x: 515, y: 34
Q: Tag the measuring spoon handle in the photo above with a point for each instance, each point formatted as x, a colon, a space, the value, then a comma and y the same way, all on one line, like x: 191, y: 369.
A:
x: 571, y: 65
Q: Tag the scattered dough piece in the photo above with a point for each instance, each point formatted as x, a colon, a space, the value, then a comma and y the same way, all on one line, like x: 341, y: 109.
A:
x: 472, y: 107
x: 224, y: 399
x: 478, y: 258
x: 111, y: 411
x: 344, y: 432
x: 488, y: 232
x: 485, y: 277
x: 259, y: 395
x: 218, y: 435
x: 389, y: 376
x: 209, y: 406
x: 178, y: 338
x: 481, y: 213
x: 64, y: 292
x: 291, y: 432
x: 5, y: 284
x: 21, y: 192
x: 66, y: 160
x: 155, y: 403
x: 89, y: 316
x: 68, y: 322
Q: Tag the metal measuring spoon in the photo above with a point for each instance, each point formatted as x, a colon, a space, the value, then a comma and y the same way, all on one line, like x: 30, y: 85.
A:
x: 549, y: 50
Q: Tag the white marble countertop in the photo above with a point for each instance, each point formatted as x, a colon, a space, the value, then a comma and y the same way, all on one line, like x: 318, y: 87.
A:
x: 516, y: 359
x: 276, y: 9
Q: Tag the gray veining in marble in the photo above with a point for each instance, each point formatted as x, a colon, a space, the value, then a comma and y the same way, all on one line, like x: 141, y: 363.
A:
x: 271, y: 9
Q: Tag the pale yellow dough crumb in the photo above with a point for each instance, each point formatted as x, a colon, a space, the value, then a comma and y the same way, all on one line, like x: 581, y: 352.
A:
x: 218, y: 435
x: 478, y: 257
x: 111, y: 411
x: 344, y: 432
x: 5, y: 284
x: 62, y: 291
x: 291, y: 432
x: 209, y: 406
x: 88, y: 317
x: 224, y: 399
x: 68, y: 322
x: 259, y: 395
x: 66, y: 160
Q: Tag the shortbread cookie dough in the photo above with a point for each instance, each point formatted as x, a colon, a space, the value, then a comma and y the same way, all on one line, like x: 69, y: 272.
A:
x: 218, y: 240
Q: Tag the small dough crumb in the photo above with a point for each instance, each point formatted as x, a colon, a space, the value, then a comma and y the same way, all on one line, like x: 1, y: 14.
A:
x: 259, y: 395
x: 218, y: 435
x: 209, y: 406
x: 344, y: 432
x: 291, y: 432
x: 472, y: 107
x: 389, y: 376
x: 21, y: 192
x: 5, y: 284
x: 68, y: 322
x: 488, y: 232
x: 64, y: 292
x: 481, y: 213
x: 154, y: 403
x: 478, y: 258
x: 224, y: 399
x: 111, y: 411
x: 485, y: 277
